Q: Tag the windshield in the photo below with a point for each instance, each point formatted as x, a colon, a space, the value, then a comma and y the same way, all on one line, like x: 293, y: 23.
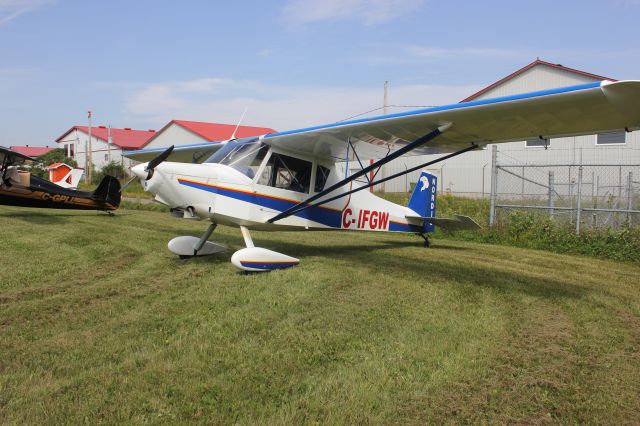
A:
x: 244, y: 155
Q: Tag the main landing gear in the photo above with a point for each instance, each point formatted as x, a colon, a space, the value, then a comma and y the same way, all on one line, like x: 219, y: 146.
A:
x: 427, y: 242
x: 187, y: 246
x: 251, y: 258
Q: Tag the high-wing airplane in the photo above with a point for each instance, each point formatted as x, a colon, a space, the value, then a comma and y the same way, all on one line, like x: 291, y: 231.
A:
x: 18, y: 187
x: 291, y: 180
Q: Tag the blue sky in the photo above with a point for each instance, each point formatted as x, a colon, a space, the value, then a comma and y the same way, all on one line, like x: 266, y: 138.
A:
x: 293, y: 63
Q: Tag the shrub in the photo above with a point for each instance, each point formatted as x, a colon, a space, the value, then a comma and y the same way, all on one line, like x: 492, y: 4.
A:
x: 112, y: 169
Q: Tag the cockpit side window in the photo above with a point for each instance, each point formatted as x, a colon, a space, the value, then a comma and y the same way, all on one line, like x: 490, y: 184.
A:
x: 282, y: 171
x: 322, y: 173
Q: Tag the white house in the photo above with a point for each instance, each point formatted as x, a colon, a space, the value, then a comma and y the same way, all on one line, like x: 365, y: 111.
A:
x: 107, y: 144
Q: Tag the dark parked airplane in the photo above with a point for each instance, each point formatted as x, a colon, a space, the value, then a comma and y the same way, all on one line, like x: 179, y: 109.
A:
x: 18, y: 187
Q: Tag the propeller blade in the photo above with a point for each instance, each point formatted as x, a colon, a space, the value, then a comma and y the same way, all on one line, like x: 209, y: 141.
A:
x: 151, y: 165
x: 160, y: 158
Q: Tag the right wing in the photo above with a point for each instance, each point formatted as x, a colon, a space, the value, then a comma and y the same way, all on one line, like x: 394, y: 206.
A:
x: 568, y: 111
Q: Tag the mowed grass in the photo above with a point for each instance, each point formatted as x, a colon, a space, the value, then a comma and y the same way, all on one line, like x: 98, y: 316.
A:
x: 100, y: 323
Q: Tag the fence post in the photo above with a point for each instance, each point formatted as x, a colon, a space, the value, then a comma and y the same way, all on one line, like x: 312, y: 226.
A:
x: 595, y: 203
x: 494, y: 185
x: 629, y: 188
x: 579, y: 200
x: 551, y: 190
x: 620, y: 183
x: 483, y: 167
x: 522, y: 191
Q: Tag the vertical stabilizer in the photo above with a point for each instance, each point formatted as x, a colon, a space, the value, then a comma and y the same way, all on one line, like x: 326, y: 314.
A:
x: 423, y: 199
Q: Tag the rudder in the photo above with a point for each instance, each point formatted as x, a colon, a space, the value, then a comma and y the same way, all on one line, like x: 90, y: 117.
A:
x: 423, y: 198
x: 108, y: 193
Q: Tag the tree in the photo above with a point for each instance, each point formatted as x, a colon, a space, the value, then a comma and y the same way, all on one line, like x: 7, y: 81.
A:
x: 57, y: 155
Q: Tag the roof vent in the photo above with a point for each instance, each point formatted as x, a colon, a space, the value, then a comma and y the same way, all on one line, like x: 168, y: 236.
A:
x: 102, y: 127
x: 151, y: 130
x: 127, y: 128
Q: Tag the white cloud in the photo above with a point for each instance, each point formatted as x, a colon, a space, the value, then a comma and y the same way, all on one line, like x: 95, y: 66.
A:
x: 279, y: 107
x: 11, y: 9
x: 302, y: 12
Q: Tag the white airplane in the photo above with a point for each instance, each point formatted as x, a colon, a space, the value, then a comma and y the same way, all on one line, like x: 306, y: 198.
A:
x: 290, y: 180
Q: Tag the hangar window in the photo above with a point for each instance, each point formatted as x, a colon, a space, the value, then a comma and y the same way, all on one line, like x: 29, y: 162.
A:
x: 322, y: 173
x: 282, y: 171
x: 530, y: 143
x: 611, y: 138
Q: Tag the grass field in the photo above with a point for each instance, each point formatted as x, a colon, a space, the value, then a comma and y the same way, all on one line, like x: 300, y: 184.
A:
x: 100, y: 323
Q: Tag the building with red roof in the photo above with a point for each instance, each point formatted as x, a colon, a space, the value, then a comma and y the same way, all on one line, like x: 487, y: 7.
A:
x: 107, y: 143
x: 183, y: 132
x: 32, y: 151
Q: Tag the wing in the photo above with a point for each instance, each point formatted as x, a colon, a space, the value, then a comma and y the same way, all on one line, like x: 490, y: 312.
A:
x: 569, y: 111
x: 12, y: 157
x: 194, y: 153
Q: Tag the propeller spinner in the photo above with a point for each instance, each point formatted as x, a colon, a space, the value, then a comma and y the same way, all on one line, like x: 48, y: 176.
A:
x: 145, y: 172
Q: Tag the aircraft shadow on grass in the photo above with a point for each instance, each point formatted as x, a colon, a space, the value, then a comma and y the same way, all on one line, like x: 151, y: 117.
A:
x: 49, y: 218
x: 432, y: 270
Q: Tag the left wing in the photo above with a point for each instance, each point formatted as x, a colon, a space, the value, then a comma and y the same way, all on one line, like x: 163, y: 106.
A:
x: 568, y: 111
x: 194, y: 153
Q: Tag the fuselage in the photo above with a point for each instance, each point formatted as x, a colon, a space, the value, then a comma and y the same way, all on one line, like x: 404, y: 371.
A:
x: 41, y: 193
x: 249, y: 194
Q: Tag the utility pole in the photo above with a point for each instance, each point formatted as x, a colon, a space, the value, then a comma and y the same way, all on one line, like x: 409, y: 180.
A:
x: 89, y: 152
x: 109, y: 142
x: 386, y: 98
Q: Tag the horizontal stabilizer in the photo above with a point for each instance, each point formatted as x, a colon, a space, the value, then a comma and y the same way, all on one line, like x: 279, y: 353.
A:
x: 456, y: 223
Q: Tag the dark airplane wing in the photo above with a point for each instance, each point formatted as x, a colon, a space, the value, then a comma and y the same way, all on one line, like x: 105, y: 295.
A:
x: 9, y: 156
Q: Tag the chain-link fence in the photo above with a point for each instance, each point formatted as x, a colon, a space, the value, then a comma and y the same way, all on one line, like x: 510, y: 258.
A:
x: 593, y: 195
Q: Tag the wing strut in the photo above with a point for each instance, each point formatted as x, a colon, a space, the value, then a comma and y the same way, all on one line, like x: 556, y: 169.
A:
x: 404, y: 172
x: 413, y: 145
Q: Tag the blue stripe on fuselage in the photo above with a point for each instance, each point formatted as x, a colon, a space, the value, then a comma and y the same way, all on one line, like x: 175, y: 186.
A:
x: 403, y: 227
x: 325, y: 216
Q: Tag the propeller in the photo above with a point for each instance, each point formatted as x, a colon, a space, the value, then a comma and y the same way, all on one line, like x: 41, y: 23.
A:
x: 149, y: 168
x: 151, y: 165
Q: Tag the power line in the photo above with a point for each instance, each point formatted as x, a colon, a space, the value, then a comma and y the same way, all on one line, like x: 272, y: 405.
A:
x: 382, y: 107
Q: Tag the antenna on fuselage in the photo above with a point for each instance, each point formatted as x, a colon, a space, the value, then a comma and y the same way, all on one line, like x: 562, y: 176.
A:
x: 233, y: 136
